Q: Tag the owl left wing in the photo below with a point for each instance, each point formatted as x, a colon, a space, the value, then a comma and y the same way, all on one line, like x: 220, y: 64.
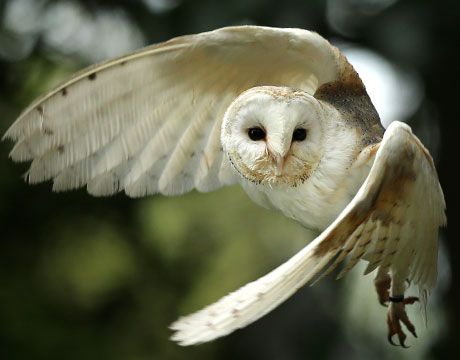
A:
x: 392, y: 222
x: 149, y: 122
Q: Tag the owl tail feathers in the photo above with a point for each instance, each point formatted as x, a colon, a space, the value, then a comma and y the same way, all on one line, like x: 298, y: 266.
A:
x: 252, y: 301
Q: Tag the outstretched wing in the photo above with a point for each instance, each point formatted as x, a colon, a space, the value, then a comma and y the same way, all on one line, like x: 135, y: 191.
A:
x: 149, y: 122
x: 392, y: 222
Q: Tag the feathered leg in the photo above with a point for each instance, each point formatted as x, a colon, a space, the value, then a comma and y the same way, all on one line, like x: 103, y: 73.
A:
x: 382, y: 284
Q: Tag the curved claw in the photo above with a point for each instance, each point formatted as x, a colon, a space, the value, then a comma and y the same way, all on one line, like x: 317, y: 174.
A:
x: 390, y: 339
x: 397, y: 315
x: 401, y: 338
x: 401, y: 341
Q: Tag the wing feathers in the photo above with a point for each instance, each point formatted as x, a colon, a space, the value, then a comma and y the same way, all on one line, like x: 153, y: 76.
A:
x: 249, y: 303
x: 378, y: 225
x: 114, y: 119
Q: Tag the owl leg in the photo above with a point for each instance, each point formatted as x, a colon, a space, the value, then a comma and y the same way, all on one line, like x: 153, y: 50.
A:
x: 397, y: 310
x: 382, y: 284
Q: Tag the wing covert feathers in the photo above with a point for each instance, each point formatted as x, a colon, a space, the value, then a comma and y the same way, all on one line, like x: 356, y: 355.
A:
x: 149, y: 122
x: 392, y: 223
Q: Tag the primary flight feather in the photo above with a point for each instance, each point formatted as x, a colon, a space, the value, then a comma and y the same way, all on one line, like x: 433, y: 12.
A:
x: 280, y: 112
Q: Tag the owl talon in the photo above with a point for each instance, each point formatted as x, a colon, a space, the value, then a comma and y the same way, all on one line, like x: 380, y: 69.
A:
x: 410, y: 300
x: 397, y: 315
x: 401, y: 338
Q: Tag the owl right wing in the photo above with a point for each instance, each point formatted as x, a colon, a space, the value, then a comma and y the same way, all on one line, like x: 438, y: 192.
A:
x: 150, y: 122
x: 392, y: 222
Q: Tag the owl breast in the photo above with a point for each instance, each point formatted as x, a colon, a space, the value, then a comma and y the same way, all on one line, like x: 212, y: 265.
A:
x: 318, y: 200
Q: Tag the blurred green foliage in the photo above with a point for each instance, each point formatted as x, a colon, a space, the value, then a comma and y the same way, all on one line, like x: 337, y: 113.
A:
x: 102, y: 278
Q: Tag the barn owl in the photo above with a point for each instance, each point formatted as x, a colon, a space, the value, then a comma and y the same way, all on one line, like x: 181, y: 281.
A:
x: 280, y: 112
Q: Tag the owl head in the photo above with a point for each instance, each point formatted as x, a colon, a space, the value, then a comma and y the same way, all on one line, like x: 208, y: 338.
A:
x: 274, y: 135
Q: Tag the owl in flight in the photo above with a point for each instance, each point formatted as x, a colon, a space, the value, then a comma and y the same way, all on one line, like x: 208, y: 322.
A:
x: 280, y: 112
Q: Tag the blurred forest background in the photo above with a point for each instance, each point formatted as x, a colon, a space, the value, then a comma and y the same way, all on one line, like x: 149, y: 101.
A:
x: 102, y: 278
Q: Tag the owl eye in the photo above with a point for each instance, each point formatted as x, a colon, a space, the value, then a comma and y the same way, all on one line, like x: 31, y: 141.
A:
x: 256, y: 134
x: 299, y: 134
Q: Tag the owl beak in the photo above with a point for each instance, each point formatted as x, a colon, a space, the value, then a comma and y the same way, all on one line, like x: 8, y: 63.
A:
x: 279, y: 158
x: 279, y: 165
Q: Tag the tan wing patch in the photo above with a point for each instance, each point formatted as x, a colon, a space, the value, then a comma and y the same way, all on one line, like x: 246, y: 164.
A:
x: 382, y: 225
